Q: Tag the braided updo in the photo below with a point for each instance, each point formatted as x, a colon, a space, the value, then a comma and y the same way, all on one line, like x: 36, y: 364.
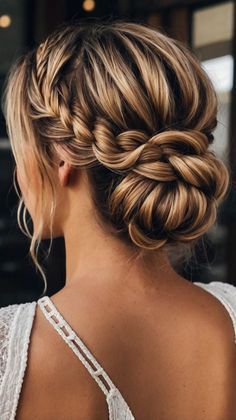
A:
x: 135, y: 109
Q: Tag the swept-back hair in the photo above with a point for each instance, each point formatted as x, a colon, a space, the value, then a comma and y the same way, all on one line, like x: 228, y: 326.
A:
x: 135, y: 109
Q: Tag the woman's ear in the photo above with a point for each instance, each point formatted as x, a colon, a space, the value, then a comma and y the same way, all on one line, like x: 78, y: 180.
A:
x: 64, y: 172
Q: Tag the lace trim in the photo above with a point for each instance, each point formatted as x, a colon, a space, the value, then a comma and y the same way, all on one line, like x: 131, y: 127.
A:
x: 6, y: 316
x: 118, y: 408
x: 18, y: 344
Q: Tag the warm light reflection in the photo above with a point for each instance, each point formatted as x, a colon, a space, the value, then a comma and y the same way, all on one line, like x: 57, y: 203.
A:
x: 88, y: 5
x: 5, y: 21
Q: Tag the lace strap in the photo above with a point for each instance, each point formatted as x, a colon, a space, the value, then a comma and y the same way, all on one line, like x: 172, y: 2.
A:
x: 75, y: 343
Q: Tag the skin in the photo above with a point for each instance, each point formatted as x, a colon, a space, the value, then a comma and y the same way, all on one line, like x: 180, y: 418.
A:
x: 161, y: 328
x: 85, y: 257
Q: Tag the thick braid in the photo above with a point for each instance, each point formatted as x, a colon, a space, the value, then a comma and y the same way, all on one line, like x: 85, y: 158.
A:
x: 166, y: 156
x: 68, y: 130
x: 51, y: 91
x: 158, y: 171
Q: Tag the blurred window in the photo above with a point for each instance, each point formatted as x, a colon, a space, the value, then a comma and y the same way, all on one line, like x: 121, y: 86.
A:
x: 212, y: 36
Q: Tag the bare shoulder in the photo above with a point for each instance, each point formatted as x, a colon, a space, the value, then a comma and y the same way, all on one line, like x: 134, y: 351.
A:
x: 215, y: 347
x: 213, y: 314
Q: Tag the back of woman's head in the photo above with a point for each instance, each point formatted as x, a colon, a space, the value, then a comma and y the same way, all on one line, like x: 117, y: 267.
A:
x: 135, y: 109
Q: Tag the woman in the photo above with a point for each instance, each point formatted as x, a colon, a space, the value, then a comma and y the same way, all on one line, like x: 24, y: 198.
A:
x: 110, y: 125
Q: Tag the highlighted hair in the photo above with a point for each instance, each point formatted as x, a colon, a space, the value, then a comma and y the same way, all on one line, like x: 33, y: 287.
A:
x: 135, y: 109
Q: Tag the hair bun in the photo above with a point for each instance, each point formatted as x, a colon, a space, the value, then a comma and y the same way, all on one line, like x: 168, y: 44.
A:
x: 98, y: 95
x: 172, y: 191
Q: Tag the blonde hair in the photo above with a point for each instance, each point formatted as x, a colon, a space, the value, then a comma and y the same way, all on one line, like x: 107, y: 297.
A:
x: 133, y: 107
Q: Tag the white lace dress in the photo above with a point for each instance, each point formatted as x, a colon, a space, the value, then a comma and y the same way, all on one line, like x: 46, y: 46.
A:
x: 15, y: 326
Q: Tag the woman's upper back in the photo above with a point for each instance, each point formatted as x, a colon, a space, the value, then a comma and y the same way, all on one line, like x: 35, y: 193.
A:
x: 178, y: 367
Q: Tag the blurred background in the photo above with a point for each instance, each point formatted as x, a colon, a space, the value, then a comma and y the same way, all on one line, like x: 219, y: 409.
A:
x: 208, y: 27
